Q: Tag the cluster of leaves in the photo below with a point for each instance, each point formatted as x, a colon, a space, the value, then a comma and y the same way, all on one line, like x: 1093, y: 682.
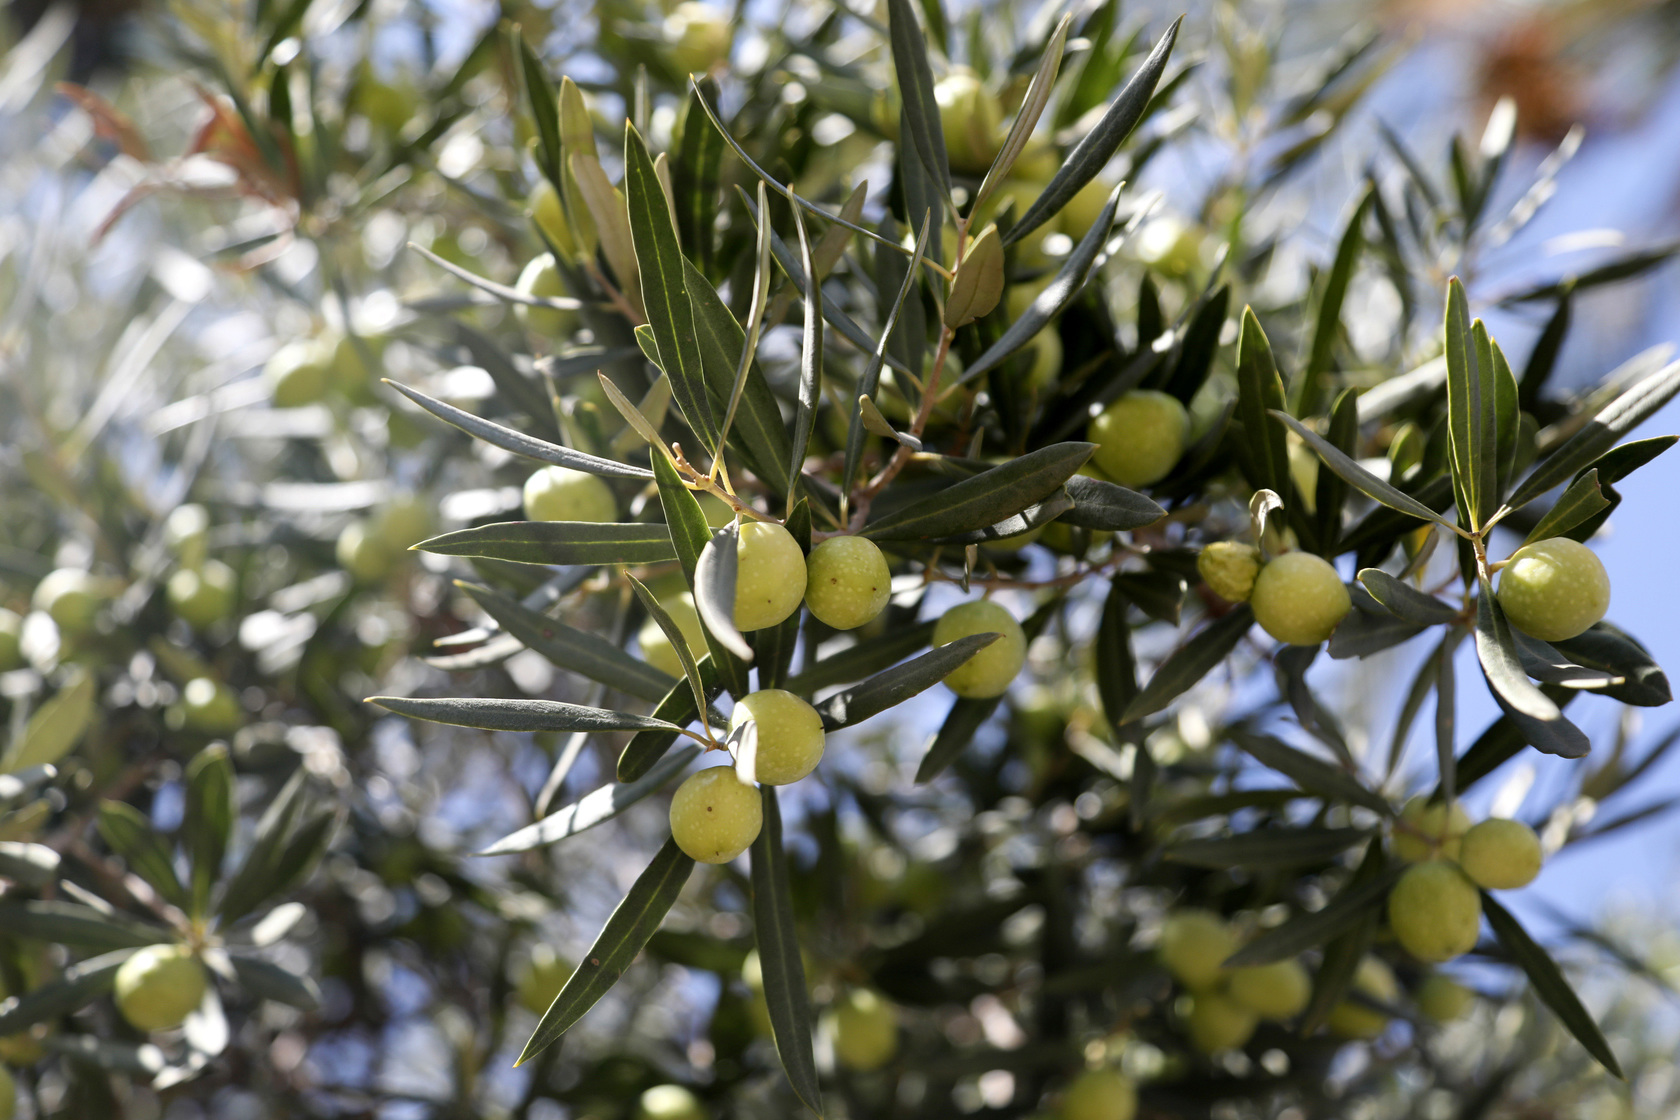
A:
x: 1069, y: 812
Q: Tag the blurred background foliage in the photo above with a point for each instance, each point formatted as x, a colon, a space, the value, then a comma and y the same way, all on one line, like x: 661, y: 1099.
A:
x: 225, y: 178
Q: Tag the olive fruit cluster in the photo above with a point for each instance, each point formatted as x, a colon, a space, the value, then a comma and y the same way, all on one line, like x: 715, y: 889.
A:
x: 1435, y: 909
x: 1226, y: 1004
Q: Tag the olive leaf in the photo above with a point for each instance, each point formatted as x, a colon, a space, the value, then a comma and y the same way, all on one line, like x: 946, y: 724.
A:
x: 786, y: 994
x: 594, y: 808
x: 558, y: 542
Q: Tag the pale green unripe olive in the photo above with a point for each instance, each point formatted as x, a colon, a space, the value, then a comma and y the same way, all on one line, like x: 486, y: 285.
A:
x: 404, y: 521
x: 11, y: 640
x: 1140, y: 437
x: 989, y: 672
x: 1083, y: 209
x: 971, y: 118
x: 71, y: 597
x: 656, y: 647
x: 1429, y: 828
x: 864, y: 1030
x: 561, y: 494
x: 699, y: 36
x: 1554, y: 589
x: 159, y: 986
x: 1098, y: 1094
x: 1299, y: 599
x: 299, y: 372
x: 202, y: 597
x: 1229, y: 568
x: 1444, y: 999
x: 541, y: 277
x: 1046, y: 369
x: 715, y: 816
x: 769, y: 576
x: 1194, y: 945
x: 208, y: 707
x: 544, y: 974
x: 186, y: 533
x: 1500, y: 854
x: 1169, y: 245
x: 1279, y: 990
x: 1355, y: 1020
x: 361, y: 553
x: 550, y: 216
x: 1435, y: 911
x: 790, y: 734
x: 847, y: 582
x: 8, y: 1094
x: 1218, y: 1023
x: 356, y: 366
x: 1303, y: 471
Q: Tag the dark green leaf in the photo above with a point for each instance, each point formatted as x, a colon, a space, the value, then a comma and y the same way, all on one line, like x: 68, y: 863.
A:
x: 1327, y: 327
x: 1191, y: 662
x: 595, y: 807
x: 517, y: 442
x: 130, y: 835
x: 267, y: 980
x: 786, y: 992
x: 1359, y: 900
x: 915, y: 86
x: 1259, y: 397
x: 810, y: 365
x: 1607, y: 648
x: 1543, y: 358
x: 1116, y: 667
x: 254, y: 881
x: 623, y: 937
x: 1544, y: 662
x: 1622, y: 268
x: 1312, y: 774
x: 1049, y: 302
x: 543, y: 104
x: 896, y: 685
x: 1158, y: 594
x: 645, y: 748
x: 695, y: 170
x: 1367, y: 631
x: 1358, y: 477
x: 961, y: 722
x: 1294, y: 847
x: 72, y: 923
x: 28, y: 865
x: 1538, y: 718
x: 1200, y: 345
x: 1617, y: 419
x: 1581, y: 502
x: 871, y: 379
x: 868, y: 656
x: 558, y: 542
x: 714, y: 590
x: 492, y: 714
x: 1331, y: 491
x: 571, y: 649
x: 1105, y: 506
x: 1404, y: 601
x: 986, y: 498
x: 665, y: 288
x: 1549, y: 983
x: 1345, y: 951
x: 1098, y: 146
x: 79, y: 985
x: 207, y: 820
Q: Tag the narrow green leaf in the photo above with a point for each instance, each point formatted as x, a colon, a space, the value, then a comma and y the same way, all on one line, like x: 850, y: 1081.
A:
x: 78, y: 925
x: 1098, y: 146
x: 558, y: 542
x: 595, y: 807
x: 1354, y: 902
x: 1404, y: 601
x: 1199, y: 346
x: 55, y: 728
x: 961, y: 722
x: 859, y: 661
x: 1359, y: 478
x: 1189, y: 663
x: 129, y: 834
x: 695, y: 174
x: 1543, y: 358
x: 646, y: 748
x: 1343, y: 954
x: 517, y: 442
x: 619, y: 943
x: 1622, y: 268
x: 714, y: 589
x: 1259, y: 397
x: 267, y: 980
x: 78, y: 986
x: 1539, y: 719
x: 1267, y: 847
x: 1116, y: 666
x: 1327, y: 327
x: 491, y: 714
x: 1609, y: 649
x: 574, y: 650
x: 1331, y: 490
x: 207, y: 820
x: 871, y: 379
x: 1507, y: 422
x: 1544, y: 662
x: 252, y: 882
x: 543, y: 103
x: 786, y: 992
x: 1549, y: 983
x: 665, y: 289
x: 1312, y: 774
x: 1038, y: 93
x: 28, y: 865
x: 984, y: 499
x: 1105, y: 506
x: 500, y: 291
x: 1581, y: 502
x: 810, y: 362
x: 1617, y: 419
x: 1049, y: 302
x: 898, y: 684
x: 915, y: 86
